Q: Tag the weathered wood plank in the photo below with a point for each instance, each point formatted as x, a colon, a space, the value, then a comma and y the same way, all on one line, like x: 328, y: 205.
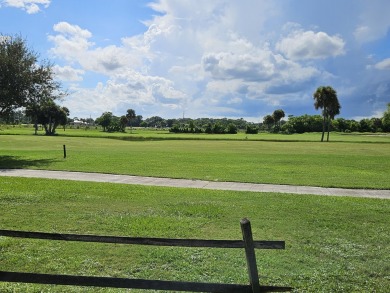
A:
x: 144, y: 241
x: 120, y: 282
x: 108, y: 282
x: 250, y: 255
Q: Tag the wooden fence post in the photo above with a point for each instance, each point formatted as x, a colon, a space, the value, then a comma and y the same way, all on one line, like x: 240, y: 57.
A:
x: 250, y: 255
x: 64, y: 151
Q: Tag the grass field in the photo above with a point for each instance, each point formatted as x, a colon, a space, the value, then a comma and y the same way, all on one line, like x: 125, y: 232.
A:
x: 336, y: 164
x: 161, y: 134
x: 332, y: 244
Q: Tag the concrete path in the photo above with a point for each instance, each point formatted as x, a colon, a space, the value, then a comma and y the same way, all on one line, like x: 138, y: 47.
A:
x: 251, y: 187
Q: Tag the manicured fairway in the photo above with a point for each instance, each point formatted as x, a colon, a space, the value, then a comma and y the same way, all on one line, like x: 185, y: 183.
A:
x: 161, y: 134
x: 336, y: 164
x: 333, y: 244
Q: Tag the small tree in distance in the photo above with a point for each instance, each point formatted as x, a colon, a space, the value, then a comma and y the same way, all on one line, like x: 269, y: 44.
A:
x: 130, y: 116
x: 278, y: 115
x: 269, y: 121
x: 104, y: 120
x: 386, y: 119
x: 325, y: 98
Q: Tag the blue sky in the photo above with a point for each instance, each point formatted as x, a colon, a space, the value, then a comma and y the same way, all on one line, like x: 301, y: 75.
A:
x: 210, y: 58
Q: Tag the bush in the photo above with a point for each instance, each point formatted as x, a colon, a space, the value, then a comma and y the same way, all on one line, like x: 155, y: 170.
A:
x: 251, y: 129
x: 218, y: 128
x: 287, y: 128
x: 232, y: 128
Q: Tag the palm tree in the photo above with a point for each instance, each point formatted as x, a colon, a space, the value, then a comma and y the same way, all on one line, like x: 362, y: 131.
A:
x: 130, y: 116
x: 278, y: 115
x: 325, y: 98
x: 333, y: 110
x: 268, y: 120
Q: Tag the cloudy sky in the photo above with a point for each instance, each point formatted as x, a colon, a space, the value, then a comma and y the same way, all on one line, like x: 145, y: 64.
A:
x: 210, y: 58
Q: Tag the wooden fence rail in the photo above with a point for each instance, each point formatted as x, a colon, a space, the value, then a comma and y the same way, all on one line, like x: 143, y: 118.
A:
x: 248, y: 243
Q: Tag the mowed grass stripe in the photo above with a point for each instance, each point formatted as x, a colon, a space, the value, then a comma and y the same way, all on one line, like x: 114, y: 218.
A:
x: 336, y: 164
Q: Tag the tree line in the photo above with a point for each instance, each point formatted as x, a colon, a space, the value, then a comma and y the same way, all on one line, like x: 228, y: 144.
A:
x: 273, y: 123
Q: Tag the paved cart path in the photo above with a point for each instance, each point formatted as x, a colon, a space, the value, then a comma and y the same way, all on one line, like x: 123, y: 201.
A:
x: 153, y: 181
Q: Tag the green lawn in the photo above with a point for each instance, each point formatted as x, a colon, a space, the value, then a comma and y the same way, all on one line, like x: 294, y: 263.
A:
x: 333, y: 244
x: 161, y: 134
x: 335, y: 164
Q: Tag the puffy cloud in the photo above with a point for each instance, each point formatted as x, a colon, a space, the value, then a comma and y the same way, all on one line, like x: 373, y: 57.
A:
x: 302, y: 45
x: 72, y: 30
x: 257, y: 74
x: 68, y: 73
x: 30, y: 6
x: 247, y: 67
x: 126, y: 90
x: 73, y: 44
x: 383, y: 65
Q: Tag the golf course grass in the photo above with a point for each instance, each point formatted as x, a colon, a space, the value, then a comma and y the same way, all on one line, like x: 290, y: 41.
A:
x: 333, y: 244
x: 312, y: 163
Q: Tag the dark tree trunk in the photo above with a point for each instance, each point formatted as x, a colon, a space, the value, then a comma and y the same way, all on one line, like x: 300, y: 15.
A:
x: 323, y: 129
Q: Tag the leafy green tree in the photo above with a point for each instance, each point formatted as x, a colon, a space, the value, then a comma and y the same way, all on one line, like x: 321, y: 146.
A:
x: 50, y: 115
x: 386, y: 119
x: 123, y: 123
x: 278, y: 115
x: 364, y: 125
x: 23, y: 82
x: 105, y: 120
x: 155, y: 121
x: 232, y: 128
x: 341, y: 124
x: 191, y: 126
x: 130, y: 117
x: 251, y: 129
x: 17, y: 64
x: 325, y: 98
x: 376, y: 125
x: 137, y: 121
x: 269, y: 121
x: 218, y: 128
x: 115, y: 124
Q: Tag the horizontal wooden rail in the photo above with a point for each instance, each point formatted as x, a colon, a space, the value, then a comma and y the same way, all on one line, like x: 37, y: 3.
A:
x: 248, y: 243
x: 144, y: 241
x: 120, y: 282
x: 131, y: 283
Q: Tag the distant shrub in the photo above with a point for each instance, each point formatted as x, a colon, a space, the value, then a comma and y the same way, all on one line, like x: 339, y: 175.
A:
x: 232, y: 129
x: 251, y: 129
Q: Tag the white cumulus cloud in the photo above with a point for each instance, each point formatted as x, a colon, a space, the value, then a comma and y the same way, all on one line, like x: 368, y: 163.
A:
x: 68, y: 73
x: 30, y: 6
x: 383, y: 65
x: 301, y: 45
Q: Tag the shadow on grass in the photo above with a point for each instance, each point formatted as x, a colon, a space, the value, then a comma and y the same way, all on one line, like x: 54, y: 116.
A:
x: 12, y: 162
